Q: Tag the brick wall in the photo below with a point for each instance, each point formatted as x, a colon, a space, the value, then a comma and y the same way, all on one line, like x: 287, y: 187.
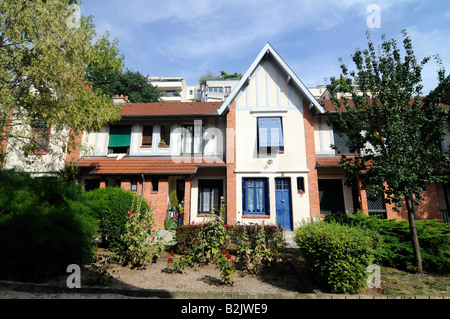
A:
x: 313, y: 184
x: 231, y: 165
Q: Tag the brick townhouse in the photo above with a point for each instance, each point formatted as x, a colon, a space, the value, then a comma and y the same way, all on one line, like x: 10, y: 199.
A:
x: 265, y: 150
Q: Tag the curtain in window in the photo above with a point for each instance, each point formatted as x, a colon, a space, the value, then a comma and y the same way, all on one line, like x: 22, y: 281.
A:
x: 270, y: 132
x: 260, y: 196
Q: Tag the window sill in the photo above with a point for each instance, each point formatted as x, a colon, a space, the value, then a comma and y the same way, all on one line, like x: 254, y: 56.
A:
x: 146, y: 146
x: 39, y: 152
x: 206, y: 215
x: 256, y: 216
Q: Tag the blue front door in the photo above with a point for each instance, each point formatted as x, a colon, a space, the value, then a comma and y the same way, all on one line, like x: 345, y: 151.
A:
x: 283, y: 202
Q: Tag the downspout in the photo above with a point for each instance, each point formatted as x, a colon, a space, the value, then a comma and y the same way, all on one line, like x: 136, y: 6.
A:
x: 143, y: 184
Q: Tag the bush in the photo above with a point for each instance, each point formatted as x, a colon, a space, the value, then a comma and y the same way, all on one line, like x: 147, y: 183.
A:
x: 45, y: 225
x: 397, y: 250
x: 115, y: 204
x: 140, y: 241
x: 337, y: 255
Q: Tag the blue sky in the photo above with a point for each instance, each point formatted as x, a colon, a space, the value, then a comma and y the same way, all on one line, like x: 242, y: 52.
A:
x: 187, y: 38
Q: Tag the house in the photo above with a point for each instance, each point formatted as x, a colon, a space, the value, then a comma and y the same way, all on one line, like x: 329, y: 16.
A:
x: 265, y: 148
x: 157, y: 148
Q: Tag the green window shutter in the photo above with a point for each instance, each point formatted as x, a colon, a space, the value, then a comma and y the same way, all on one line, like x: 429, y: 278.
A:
x: 119, y: 135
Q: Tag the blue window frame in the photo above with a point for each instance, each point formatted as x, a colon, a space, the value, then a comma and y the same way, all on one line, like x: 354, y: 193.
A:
x: 270, y: 134
x: 255, y: 193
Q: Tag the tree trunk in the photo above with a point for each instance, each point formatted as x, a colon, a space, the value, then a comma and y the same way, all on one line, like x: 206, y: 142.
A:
x: 412, y: 228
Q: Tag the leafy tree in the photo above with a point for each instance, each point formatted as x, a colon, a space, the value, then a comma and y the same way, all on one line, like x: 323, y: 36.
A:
x: 129, y: 83
x: 393, y: 130
x: 45, y: 60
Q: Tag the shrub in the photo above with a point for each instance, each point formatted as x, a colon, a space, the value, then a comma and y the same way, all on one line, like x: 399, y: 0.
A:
x: 139, y: 241
x: 337, y: 255
x: 45, y: 225
x: 116, y: 202
x: 397, y: 250
x: 257, y: 247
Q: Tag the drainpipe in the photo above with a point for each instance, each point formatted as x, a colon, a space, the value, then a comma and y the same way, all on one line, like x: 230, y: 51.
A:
x: 143, y: 184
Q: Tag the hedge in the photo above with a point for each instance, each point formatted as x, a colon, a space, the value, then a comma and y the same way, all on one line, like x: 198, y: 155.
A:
x: 185, y: 234
x: 434, y: 241
x: 337, y: 255
x: 45, y: 225
x: 115, y: 204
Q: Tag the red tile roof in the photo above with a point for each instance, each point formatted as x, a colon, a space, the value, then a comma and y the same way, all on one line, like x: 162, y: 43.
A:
x: 153, y: 165
x: 170, y: 108
x: 328, y: 161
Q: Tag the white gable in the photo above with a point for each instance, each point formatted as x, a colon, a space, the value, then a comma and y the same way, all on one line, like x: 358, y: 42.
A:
x: 270, y: 82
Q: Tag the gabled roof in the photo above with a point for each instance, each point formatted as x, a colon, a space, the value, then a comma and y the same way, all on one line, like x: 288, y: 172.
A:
x: 268, y: 49
x: 169, y: 109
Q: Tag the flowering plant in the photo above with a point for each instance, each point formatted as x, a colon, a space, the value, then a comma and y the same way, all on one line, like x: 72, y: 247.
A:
x: 226, y: 265
x: 141, y: 242
x: 178, y: 265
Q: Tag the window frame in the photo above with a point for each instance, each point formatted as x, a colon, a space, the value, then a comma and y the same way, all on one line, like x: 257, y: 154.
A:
x: 41, y: 131
x: 269, y: 148
x: 148, y: 145
x: 211, y: 184
x: 254, y: 189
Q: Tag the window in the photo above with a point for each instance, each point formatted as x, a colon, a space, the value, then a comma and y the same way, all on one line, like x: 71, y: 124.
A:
x: 192, y: 139
x: 40, y: 135
x: 270, y: 135
x: 255, y: 196
x: 227, y: 89
x: 164, y: 135
x: 155, y: 182
x: 300, y: 185
x: 119, y: 139
x: 133, y: 185
x: 147, y: 134
x: 340, y: 140
x: 209, y: 194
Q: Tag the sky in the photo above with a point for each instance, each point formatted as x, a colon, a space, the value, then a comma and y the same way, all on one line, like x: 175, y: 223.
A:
x: 191, y: 37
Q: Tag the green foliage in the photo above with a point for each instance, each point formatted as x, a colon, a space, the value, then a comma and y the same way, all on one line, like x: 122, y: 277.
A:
x: 337, y: 255
x: 139, y: 241
x: 116, y: 202
x: 45, y: 225
x: 173, y: 199
x: 129, y: 83
x: 257, y: 248
x: 393, y: 130
x: 396, y: 250
x: 45, y: 62
x: 227, y: 269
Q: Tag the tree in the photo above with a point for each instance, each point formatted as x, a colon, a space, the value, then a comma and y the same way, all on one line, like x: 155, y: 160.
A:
x: 129, y: 83
x: 393, y: 130
x: 45, y: 59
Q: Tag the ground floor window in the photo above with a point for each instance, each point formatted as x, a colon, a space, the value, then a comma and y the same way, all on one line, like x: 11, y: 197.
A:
x: 209, y: 193
x: 255, y: 196
x: 331, y: 196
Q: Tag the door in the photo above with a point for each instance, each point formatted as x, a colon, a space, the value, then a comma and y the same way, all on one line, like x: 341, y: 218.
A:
x: 283, y: 202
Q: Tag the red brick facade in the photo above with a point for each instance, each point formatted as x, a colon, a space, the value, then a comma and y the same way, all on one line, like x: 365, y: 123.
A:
x: 313, y: 186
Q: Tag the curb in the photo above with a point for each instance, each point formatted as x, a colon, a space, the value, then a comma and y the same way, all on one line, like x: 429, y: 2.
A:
x: 181, y: 294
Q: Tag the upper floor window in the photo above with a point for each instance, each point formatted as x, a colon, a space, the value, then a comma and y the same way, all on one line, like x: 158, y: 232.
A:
x: 147, y: 135
x: 270, y: 134
x: 340, y: 140
x: 164, y: 135
x: 119, y: 139
x: 40, y: 135
x: 192, y: 139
